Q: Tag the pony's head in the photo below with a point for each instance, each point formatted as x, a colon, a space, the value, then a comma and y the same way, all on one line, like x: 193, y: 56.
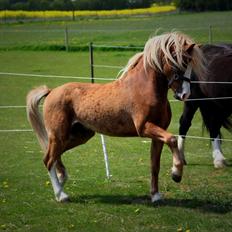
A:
x: 175, y: 55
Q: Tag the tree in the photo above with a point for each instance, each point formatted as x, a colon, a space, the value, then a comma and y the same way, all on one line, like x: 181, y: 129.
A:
x: 70, y: 4
x: 203, y: 5
x: 4, y: 4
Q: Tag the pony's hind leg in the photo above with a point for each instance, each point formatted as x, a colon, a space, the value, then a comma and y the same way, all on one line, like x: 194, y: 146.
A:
x: 61, y: 172
x: 71, y: 137
x: 51, y: 159
x: 219, y: 159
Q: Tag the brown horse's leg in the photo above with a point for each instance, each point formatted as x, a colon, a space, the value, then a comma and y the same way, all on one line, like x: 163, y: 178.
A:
x: 78, y: 135
x: 51, y: 159
x: 61, y: 172
x: 156, y: 149
x: 155, y: 132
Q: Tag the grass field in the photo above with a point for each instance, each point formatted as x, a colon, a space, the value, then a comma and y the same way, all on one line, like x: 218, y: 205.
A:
x: 122, y: 31
x: 201, y: 202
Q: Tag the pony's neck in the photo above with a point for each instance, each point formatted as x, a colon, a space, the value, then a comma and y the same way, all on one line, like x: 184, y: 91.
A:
x: 159, y: 82
x: 147, y: 79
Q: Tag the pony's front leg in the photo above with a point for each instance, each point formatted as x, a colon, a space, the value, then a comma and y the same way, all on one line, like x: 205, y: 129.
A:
x: 190, y: 109
x: 156, y: 149
x: 155, y: 132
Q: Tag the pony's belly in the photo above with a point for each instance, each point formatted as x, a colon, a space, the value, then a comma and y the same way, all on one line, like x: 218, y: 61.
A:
x: 111, y: 126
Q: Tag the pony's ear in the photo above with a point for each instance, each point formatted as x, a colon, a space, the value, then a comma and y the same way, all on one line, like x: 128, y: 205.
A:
x: 189, y: 48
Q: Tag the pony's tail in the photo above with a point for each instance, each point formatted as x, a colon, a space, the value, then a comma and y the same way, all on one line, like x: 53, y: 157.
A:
x: 33, y: 114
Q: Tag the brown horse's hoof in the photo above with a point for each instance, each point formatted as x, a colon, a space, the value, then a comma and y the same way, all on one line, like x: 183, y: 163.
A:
x: 176, y: 178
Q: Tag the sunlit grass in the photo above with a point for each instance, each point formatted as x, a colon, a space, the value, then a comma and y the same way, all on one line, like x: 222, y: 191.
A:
x: 201, y: 202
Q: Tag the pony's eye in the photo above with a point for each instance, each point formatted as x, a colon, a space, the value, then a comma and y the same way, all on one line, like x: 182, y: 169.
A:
x: 176, y: 77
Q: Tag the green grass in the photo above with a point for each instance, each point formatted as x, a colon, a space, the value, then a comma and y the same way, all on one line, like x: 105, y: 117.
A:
x: 123, y: 31
x: 201, y: 202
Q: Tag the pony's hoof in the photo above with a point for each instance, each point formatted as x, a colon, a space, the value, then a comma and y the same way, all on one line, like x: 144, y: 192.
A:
x: 156, y: 197
x: 176, y: 178
x: 220, y: 164
x: 63, y: 198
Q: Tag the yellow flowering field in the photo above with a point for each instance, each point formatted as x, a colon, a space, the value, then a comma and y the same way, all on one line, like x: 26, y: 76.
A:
x: 20, y: 14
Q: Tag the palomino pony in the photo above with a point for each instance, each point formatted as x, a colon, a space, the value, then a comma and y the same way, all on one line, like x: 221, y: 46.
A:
x: 136, y: 104
x: 216, y: 112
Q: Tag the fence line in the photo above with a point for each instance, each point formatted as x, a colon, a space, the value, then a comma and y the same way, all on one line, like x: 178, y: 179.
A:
x: 97, y: 78
x: 16, y: 130
x: 170, y: 100
x: 107, y: 66
x: 114, y: 46
x: 211, y: 82
x: 186, y: 136
x: 202, y: 99
x: 54, y: 76
x: 10, y: 107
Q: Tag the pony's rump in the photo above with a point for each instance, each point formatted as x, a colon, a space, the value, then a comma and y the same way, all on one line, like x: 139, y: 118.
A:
x: 33, y: 99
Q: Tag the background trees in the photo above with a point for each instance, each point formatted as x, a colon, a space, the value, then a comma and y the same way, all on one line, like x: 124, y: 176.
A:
x: 73, y: 4
x: 192, y: 5
x: 204, y: 5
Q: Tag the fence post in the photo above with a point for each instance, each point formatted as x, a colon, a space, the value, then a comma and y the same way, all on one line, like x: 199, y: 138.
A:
x: 102, y: 136
x: 210, y: 34
x: 91, y: 61
x: 66, y: 39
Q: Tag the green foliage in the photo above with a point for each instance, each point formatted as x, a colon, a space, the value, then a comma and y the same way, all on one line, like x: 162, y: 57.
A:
x: 73, y: 4
x: 204, y: 5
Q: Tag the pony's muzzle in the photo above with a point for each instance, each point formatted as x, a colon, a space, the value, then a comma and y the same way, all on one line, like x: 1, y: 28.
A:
x: 184, y: 92
x: 182, y: 96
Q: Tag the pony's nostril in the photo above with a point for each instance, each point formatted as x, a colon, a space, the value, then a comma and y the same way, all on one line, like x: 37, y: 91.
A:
x: 184, y: 97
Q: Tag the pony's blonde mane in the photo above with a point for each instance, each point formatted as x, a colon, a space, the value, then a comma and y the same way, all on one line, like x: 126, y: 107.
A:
x: 163, y: 48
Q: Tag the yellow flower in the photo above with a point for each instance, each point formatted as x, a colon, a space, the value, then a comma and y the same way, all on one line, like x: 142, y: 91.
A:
x: 59, y: 14
x: 47, y: 183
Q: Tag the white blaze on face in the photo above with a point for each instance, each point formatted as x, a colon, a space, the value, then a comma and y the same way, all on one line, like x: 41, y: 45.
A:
x: 185, y: 93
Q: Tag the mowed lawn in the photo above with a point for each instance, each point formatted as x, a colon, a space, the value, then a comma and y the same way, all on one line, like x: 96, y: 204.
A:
x: 201, y: 202
x: 119, y: 31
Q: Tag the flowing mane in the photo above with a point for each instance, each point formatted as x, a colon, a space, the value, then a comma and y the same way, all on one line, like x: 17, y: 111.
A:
x: 168, y: 47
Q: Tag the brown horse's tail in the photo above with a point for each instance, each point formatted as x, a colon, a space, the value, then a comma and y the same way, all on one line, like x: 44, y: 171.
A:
x: 34, y: 117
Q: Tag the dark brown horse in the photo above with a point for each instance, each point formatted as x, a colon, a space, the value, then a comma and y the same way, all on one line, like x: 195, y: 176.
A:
x: 213, y: 96
x: 134, y: 105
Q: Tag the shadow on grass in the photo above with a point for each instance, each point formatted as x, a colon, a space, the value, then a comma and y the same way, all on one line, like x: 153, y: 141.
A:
x: 228, y: 164
x: 202, y: 205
